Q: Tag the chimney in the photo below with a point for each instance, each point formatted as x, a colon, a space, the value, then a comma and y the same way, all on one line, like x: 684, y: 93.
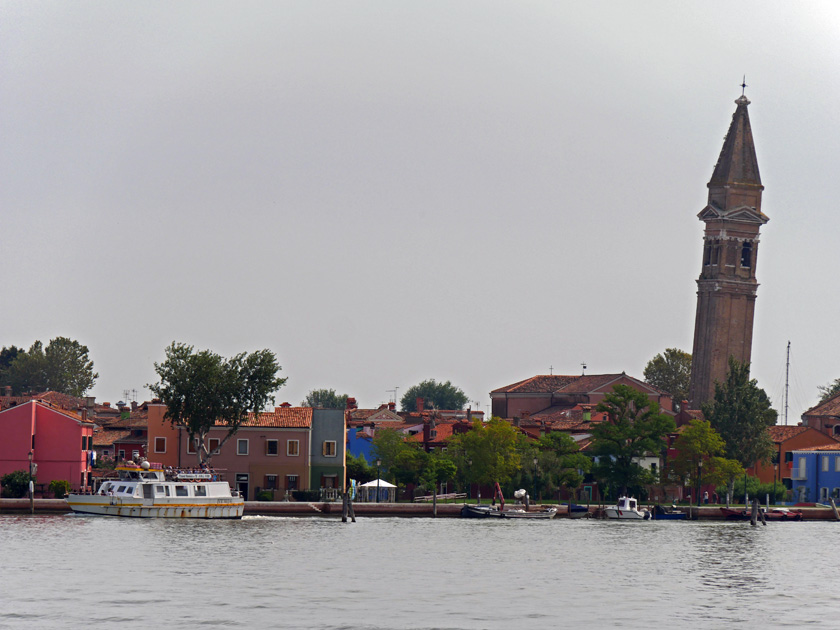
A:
x: 587, y: 414
x: 392, y: 406
x: 84, y: 414
x: 516, y: 421
x: 106, y: 404
x: 8, y: 390
x: 134, y: 405
x: 420, y: 403
x: 351, y: 403
x: 285, y: 404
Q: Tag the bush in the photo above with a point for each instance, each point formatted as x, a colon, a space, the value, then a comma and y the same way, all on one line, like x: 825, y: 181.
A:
x: 15, y: 484
x: 306, y: 495
x: 265, y: 495
x: 60, y: 488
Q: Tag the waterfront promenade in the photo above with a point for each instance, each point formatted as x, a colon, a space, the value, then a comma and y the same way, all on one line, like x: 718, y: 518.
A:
x: 408, y: 510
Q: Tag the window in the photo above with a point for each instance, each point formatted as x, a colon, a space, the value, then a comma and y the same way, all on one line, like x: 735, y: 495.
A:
x: 788, y: 457
x: 90, y: 442
x: 271, y: 447
x: 825, y: 463
x: 837, y: 463
x: 746, y: 255
x: 291, y: 482
x: 271, y: 482
x: 241, y: 447
x: 823, y: 495
x: 191, y: 445
x: 181, y: 491
x: 84, y: 442
x: 293, y: 449
x: 160, y: 445
x: 213, y: 445
x: 135, y: 454
x: 121, y: 454
x: 328, y: 448
x: 200, y: 491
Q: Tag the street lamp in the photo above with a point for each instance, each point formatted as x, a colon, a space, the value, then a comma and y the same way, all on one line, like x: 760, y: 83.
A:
x: 699, y: 480
x: 775, y: 474
x: 378, y: 464
x: 469, y: 487
x: 535, y: 479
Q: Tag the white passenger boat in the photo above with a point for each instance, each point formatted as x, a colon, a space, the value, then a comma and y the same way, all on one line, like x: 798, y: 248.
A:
x: 626, y: 508
x: 148, y: 491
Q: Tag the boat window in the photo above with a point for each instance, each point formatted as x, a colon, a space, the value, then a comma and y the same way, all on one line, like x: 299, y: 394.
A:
x: 181, y: 491
x: 200, y: 491
x: 159, y: 490
x: 121, y: 489
x: 632, y: 504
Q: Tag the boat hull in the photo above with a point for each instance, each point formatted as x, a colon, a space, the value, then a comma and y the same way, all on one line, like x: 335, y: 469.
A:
x: 480, y: 511
x: 628, y: 515
x: 220, y: 508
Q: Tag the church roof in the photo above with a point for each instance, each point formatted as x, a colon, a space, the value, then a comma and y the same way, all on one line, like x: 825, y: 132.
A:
x: 829, y: 407
x: 737, y: 163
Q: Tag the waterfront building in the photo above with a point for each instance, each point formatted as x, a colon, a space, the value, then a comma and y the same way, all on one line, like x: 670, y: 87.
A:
x: 815, y: 474
x: 786, y: 440
x: 825, y: 416
x: 327, y: 459
x: 59, y: 442
x: 726, y: 288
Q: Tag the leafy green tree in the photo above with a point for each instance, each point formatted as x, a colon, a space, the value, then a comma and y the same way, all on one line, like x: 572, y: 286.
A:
x: 7, y: 355
x: 15, y: 484
x: 724, y: 472
x: 634, y: 428
x: 741, y: 414
x: 826, y: 391
x: 697, y: 442
x: 324, y: 399
x: 670, y: 371
x: 387, y: 446
x: 439, y: 468
x: 202, y: 390
x: 493, y: 449
x: 359, y: 469
x: 63, y: 366
x: 560, y: 464
x: 435, y: 396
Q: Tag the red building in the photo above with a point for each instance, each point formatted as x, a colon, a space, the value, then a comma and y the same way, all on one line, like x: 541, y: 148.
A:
x: 60, y: 442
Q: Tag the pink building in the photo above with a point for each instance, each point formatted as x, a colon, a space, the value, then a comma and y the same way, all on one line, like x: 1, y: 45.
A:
x: 60, y: 442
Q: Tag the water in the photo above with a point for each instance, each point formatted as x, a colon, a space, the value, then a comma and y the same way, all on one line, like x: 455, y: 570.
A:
x: 261, y: 572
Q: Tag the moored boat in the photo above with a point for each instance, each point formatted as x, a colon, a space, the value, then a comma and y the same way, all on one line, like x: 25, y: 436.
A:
x: 148, y: 491
x: 776, y: 514
x: 491, y: 511
x: 661, y: 513
x: 627, y: 508
x: 577, y: 511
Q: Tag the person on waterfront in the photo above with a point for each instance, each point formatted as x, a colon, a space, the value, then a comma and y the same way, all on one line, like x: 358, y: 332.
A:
x: 706, y: 497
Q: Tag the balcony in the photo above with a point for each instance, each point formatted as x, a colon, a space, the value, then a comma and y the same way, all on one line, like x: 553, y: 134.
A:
x: 798, y: 475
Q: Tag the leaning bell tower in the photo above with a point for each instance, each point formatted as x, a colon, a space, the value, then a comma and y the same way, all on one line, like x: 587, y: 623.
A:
x: 726, y: 288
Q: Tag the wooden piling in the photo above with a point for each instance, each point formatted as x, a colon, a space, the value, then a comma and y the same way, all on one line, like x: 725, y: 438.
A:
x: 834, y: 507
x: 754, y: 513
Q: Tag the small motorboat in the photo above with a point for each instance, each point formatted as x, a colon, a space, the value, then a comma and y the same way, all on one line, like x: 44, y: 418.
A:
x: 494, y: 511
x: 578, y: 511
x: 661, y: 513
x: 627, y: 508
x: 776, y: 514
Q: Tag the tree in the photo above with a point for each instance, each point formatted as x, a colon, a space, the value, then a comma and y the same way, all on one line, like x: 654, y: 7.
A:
x: 741, y: 414
x: 63, y: 366
x: 560, y: 462
x: 324, y: 399
x: 202, y: 390
x: 493, y: 449
x: 697, y: 442
x: 359, y: 469
x: 435, y: 396
x: 439, y: 468
x: 724, y: 472
x: 15, y: 484
x: 7, y: 355
x: 826, y: 391
x: 670, y: 371
x: 634, y: 427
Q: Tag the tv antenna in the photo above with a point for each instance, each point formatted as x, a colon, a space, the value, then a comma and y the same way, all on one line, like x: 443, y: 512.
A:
x: 583, y: 372
x: 551, y: 370
x: 393, y: 391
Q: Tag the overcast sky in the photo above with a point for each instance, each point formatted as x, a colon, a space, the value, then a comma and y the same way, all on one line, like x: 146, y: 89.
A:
x: 384, y: 192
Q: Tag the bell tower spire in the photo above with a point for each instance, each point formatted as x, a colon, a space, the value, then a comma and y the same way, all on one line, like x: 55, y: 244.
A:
x: 726, y: 288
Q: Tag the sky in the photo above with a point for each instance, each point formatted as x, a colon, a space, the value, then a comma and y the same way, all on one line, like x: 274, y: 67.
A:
x: 387, y: 192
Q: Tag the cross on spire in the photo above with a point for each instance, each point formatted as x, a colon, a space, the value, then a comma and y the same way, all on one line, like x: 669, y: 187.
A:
x: 744, y: 85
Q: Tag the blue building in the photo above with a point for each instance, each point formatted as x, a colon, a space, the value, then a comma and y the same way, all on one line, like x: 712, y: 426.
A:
x: 815, y: 474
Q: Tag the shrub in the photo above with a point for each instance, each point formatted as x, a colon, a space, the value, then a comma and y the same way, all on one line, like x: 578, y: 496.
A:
x: 60, y: 488
x: 265, y: 495
x: 306, y: 495
x: 15, y: 484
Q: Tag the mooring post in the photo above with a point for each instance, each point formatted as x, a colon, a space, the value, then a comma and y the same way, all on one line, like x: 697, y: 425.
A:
x: 434, y: 502
x: 834, y: 507
x: 754, y: 513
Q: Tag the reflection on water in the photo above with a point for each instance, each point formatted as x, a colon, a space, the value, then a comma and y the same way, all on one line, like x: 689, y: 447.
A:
x: 263, y: 572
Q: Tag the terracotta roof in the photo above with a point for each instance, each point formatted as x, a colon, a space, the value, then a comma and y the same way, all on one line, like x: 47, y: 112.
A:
x: 830, y: 407
x: 542, y: 384
x: 282, y: 417
x: 107, y: 438
x: 824, y: 447
x: 780, y: 432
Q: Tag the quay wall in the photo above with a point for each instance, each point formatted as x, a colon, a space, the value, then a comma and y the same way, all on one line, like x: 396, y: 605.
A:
x: 363, y: 510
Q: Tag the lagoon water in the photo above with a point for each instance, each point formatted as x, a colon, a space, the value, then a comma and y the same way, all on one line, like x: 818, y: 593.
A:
x: 262, y: 572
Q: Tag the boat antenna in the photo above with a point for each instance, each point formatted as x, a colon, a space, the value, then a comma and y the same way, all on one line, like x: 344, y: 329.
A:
x: 787, y: 382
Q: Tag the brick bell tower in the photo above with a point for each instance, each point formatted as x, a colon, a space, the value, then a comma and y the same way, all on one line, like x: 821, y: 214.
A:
x: 726, y: 288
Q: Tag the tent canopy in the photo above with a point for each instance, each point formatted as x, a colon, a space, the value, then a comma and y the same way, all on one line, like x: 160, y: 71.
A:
x: 380, y: 482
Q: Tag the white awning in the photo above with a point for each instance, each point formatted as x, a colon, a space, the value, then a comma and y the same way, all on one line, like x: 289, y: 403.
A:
x: 378, y: 482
